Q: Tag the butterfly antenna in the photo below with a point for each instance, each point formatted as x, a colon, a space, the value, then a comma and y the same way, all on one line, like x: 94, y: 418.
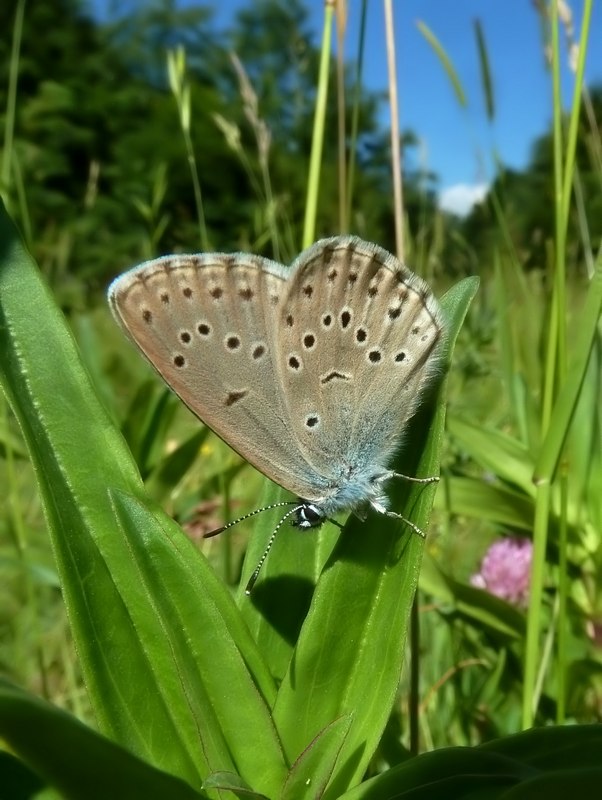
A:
x: 407, y: 522
x: 255, y: 575
x: 225, y: 527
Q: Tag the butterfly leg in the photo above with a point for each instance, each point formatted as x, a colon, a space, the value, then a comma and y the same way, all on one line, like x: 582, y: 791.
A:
x: 430, y: 479
x: 406, y: 521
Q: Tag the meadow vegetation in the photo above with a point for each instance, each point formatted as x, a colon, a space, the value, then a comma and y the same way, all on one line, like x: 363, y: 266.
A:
x: 155, y: 133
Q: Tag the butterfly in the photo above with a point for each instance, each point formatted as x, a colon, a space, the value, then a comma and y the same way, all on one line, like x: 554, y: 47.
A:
x: 311, y: 373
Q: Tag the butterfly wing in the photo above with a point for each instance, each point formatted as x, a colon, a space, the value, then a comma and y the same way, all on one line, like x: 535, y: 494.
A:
x: 358, y: 337
x: 206, y: 323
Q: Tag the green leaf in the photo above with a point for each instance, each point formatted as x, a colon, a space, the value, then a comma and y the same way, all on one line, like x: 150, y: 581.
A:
x: 454, y: 772
x: 494, y: 502
x: 18, y: 781
x: 349, y: 655
x: 489, y: 612
x: 559, y: 785
x: 279, y: 603
x: 312, y: 771
x: 503, y: 455
x: 564, y: 407
x: 202, y: 635
x: 147, y: 423
x: 230, y: 782
x: 554, y: 747
x: 171, y: 669
x: 548, y: 763
x: 485, y: 69
x: 174, y: 466
x: 75, y: 759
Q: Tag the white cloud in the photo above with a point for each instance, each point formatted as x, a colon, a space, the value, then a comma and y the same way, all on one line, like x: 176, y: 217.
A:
x: 460, y: 199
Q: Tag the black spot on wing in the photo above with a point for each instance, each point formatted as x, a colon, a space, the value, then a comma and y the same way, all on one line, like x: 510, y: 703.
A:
x: 334, y: 376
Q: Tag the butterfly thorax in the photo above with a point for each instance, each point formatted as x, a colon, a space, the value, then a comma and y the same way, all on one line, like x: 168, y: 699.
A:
x: 358, y: 487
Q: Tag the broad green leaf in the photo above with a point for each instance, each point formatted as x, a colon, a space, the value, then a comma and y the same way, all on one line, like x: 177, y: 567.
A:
x: 559, y: 785
x: 349, y: 655
x: 279, y: 603
x: 18, y: 781
x: 312, y: 771
x: 79, y: 762
x: 161, y: 644
x: 550, y: 763
x: 554, y: 747
x: 454, y: 772
x: 201, y: 631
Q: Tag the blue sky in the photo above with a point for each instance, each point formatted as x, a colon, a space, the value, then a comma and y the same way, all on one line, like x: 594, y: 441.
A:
x: 457, y: 143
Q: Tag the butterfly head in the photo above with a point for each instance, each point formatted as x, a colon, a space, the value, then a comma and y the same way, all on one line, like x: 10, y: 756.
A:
x: 308, y: 515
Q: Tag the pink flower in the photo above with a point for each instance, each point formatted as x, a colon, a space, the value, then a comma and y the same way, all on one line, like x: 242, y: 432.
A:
x: 506, y: 570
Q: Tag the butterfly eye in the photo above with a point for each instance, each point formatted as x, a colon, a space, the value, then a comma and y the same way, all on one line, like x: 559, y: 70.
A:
x: 310, y: 516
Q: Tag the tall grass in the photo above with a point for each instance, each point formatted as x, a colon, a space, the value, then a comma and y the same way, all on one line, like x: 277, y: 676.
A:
x: 521, y: 460
x: 545, y: 426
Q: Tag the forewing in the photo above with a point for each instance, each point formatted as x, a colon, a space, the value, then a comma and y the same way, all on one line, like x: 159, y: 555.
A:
x: 359, y: 336
x: 206, y: 323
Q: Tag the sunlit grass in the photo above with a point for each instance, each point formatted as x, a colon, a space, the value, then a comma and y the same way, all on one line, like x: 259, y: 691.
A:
x: 523, y: 402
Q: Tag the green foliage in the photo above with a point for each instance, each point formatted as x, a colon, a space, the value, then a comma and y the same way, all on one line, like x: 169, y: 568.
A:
x: 297, y: 689
x: 178, y: 662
